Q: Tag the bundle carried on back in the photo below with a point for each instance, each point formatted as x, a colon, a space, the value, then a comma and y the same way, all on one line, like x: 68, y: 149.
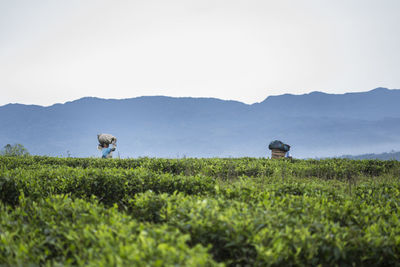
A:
x: 276, y: 144
x: 278, y: 149
x: 106, y: 139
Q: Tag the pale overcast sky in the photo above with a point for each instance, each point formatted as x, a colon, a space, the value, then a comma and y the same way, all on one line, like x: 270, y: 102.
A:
x: 55, y: 51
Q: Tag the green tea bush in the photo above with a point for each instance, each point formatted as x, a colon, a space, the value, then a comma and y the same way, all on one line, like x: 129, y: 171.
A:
x: 61, y: 231
x: 196, y: 212
x: 109, y: 185
x: 228, y: 168
x: 281, y: 229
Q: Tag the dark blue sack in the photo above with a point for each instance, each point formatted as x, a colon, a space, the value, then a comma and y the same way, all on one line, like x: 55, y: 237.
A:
x: 276, y: 144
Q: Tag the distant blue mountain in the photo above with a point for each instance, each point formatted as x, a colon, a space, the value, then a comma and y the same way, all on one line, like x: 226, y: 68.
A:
x: 376, y: 104
x: 382, y: 156
x: 315, y: 125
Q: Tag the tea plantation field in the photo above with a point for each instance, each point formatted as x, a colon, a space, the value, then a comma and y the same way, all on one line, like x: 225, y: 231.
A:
x: 199, y: 212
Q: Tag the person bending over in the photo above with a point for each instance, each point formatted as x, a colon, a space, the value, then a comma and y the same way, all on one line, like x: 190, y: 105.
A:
x: 107, y: 151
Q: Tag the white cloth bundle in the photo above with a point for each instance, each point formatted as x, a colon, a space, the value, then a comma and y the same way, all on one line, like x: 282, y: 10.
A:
x: 106, y: 139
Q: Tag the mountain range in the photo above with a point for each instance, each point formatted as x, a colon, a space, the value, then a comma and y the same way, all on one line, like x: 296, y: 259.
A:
x: 392, y: 155
x: 315, y: 125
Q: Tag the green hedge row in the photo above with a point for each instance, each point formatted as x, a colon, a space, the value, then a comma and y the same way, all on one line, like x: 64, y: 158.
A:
x: 58, y: 231
x: 222, y: 168
x: 108, y: 185
x: 283, y: 230
x: 191, y: 212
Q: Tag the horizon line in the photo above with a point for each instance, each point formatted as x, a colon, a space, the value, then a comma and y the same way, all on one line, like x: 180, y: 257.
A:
x: 195, y: 97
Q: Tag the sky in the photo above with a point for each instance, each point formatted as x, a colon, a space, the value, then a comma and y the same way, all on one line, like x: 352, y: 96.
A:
x: 53, y: 51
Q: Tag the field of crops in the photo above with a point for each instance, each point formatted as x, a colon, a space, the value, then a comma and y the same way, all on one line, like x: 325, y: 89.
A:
x: 199, y: 212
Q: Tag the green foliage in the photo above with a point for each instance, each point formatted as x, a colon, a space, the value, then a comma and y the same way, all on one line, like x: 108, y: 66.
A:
x: 16, y: 150
x: 199, y: 212
x: 224, y: 169
x: 282, y: 229
x: 109, y: 185
x: 61, y: 231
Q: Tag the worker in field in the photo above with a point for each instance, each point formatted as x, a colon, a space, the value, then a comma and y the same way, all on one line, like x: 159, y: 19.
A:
x: 107, y: 151
x: 279, y: 150
x: 105, y: 140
